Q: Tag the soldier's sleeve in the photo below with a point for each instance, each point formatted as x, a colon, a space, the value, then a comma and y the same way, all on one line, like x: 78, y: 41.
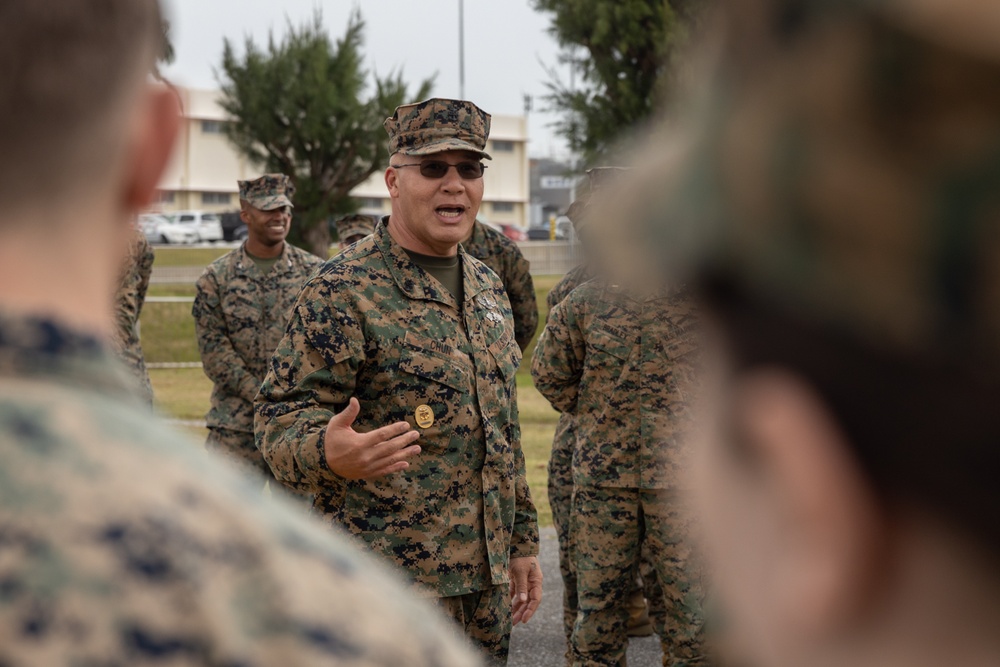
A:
x: 312, y: 376
x: 524, y: 538
x: 557, y: 363
x: 145, y: 270
x: 521, y: 292
x: 219, y: 358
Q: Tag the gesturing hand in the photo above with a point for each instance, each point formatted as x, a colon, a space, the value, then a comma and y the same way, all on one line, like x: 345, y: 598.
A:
x: 354, y: 455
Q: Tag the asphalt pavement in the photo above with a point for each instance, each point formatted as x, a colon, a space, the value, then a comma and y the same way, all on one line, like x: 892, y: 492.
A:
x: 541, y: 643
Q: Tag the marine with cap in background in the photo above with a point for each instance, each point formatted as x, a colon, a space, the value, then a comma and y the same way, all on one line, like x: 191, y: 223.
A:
x: 352, y: 228
x: 502, y: 255
x: 392, y: 396
x: 240, y: 311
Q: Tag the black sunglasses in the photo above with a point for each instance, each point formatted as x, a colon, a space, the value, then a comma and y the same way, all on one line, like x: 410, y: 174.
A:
x: 467, y: 171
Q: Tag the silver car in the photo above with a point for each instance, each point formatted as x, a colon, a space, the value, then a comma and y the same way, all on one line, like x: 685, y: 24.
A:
x: 161, y: 229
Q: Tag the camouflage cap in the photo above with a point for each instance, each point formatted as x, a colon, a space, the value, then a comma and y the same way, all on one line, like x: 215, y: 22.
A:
x: 268, y: 192
x: 438, y: 125
x: 843, y: 162
x: 355, y: 225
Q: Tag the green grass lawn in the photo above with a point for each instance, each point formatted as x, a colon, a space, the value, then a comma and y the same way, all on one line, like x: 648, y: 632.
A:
x: 168, y: 336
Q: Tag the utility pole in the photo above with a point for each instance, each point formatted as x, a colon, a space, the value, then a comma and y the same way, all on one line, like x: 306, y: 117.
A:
x: 461, y: 49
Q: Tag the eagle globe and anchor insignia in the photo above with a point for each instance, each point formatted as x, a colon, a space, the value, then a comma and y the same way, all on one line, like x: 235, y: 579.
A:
x: 424, y: 416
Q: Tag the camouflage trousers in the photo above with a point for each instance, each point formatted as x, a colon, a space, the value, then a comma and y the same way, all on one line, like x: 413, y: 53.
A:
x: 608, y: 528
x: 238, y: 448
x: 560, y: 490
x: 485, y: 619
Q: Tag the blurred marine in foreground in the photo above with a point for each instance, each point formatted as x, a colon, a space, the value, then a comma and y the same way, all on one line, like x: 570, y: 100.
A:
x: 120, y: 543
x: 835, y: 200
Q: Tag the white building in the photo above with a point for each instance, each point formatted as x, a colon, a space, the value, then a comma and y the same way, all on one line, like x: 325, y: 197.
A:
x: 203, y: 172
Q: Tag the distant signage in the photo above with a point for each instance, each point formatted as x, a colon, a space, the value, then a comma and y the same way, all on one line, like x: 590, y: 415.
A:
x: 557, y: 182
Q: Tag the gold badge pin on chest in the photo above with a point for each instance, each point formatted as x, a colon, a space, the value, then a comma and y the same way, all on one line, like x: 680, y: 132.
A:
x: 424, y: 416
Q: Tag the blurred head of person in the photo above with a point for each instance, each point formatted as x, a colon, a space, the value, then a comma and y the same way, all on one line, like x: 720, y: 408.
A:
x: 353, y: 228
x: 435, y: 174
x: 834, y: 196
x: 85, y: 138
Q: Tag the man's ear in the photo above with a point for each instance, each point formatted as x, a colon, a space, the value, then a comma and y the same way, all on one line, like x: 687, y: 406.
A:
x: 392, y: 182
x: 829, y: 521
x: 245, y: 216
x: 151, y: 146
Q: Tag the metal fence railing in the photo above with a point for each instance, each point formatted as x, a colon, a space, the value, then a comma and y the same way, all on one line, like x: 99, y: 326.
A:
x: 545, y: 257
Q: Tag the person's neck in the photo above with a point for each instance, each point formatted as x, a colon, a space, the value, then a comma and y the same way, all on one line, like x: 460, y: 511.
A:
x: 401, y: 235
x: 264, y: 251
x: 62, y: 265
x: 937, y: 605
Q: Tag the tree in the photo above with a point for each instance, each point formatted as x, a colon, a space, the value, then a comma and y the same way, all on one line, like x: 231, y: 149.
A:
x: 297, y: 108
x: 621, y: 54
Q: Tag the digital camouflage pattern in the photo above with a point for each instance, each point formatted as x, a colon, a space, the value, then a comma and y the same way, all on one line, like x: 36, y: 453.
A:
x: 240, y: 315
x: 122, y: 544
x: 622, y: 367
x: 882, y: 227
x: 268, y: 192
x: 485, y: 618
x: 507, y: 261
x: 350, y: 226
x: 618, y: 524
x: 374, y: 325
x: 560, y: 483
x: 438, y: 125
x: 129, y: 299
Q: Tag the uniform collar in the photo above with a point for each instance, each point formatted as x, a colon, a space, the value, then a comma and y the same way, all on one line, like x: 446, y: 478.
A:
x: 283, y: 265
x: 40, y: 346
x: 414, y: 281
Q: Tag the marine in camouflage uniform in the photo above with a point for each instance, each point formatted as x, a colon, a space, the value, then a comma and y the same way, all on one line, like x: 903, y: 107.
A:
x: 353, y: 228
x: 621, y: 366
x: 240, y: 313
x: 376, y: 326
x: 503, y: 256
x: 129, y: 300
x: 120, y: 544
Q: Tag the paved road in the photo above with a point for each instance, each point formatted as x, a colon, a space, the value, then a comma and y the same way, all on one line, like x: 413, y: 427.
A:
x: 540, y: 643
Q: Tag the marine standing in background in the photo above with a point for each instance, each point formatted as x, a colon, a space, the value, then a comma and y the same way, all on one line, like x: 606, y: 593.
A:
x: 503, y: 256
x: 120, y: 542
x: 405, y: 336
x: 353, y: 228
x: 621, y: 366
x: 240, y: 311
x: 129, y: 300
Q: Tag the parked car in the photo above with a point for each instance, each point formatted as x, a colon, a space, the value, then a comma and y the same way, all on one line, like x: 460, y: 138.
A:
x: 161, y: 229
x: 240, y: 233
x: 208, y: 226
x: 538, y: 233
x: 513, y: 232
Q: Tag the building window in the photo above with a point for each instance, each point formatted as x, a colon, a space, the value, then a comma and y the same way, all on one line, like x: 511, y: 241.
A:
x: 215, y: 198
x: 212, y: 126
x: 503, y: 146
x: 503, y: 207
x: 166, y: 197
x: 370, y: 203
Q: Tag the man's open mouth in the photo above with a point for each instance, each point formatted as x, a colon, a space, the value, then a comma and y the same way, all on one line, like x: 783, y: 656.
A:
x: 450, y: 211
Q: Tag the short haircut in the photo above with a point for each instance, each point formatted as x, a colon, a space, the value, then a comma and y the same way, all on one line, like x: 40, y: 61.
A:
x: 925, y: 430
x: 67, y: 67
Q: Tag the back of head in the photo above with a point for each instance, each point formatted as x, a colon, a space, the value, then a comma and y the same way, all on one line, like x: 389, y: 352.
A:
x: 837, y: 190
x: 67, y: 67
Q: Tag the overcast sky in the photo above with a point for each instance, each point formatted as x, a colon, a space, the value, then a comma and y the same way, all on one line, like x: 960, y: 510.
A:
x: 506, y: 46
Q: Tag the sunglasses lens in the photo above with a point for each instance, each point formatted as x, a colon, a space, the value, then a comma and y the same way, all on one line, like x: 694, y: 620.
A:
x: 433, y: 169
x: 469, y: 170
